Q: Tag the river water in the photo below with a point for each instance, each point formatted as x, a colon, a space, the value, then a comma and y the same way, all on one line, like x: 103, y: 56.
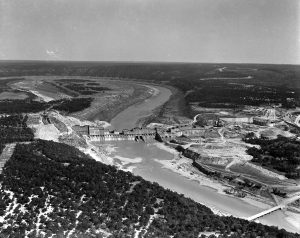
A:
x: 128, y: 118
x: 145, y: 163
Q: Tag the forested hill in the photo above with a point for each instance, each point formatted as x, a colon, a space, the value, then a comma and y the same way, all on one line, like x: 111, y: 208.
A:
x: 51, y: 188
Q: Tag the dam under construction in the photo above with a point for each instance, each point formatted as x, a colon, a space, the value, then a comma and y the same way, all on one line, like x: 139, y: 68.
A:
x: 102, y: 134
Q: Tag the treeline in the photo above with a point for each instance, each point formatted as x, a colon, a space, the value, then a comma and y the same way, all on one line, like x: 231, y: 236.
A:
x: 218, y: 105
x: 2, y: 146
x: 88, y: 197
x: 282, y: 154
x: 31, y: 106
x: 72, y: 105
x: 84, y: 89
x: 17, y: 120
x: 14, y: 129
x: 21, y: 106
x: 223, y: 94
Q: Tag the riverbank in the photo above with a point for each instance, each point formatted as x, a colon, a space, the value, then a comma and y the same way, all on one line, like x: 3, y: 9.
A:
x: 131, y: 116
x: 149, y: 160
x: 171, y: 112
x: 183, y: 166
x: 122, y: 95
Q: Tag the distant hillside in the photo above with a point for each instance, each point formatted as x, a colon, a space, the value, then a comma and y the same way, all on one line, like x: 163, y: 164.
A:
x: 49, y: 188
x: 208, y: 84
x: 277, y: 74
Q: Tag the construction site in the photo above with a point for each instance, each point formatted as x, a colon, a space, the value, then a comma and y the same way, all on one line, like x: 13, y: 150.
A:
x: 218, y: 149
x: 101, y: 134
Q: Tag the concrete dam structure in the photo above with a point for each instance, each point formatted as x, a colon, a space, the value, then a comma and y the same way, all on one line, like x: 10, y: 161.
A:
x: 102, y: 134
x: 120, y: 137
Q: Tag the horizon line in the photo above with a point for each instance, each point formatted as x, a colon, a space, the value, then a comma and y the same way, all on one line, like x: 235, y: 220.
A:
x: 139, y: 62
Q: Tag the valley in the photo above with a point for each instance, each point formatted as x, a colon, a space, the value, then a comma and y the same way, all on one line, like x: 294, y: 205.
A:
x: 199, y: 151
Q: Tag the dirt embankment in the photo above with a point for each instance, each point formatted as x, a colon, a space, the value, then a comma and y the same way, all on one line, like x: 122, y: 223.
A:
x: 234, y: 166
x: 207, y: 160
x: 191, y: 154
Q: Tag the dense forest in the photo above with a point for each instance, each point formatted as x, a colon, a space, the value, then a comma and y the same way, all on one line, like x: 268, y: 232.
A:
x: 14, y: 129
x: 234, y: 85
x: 1, y: 147
x: 281, y: 154
x: 214, y: 93
x: 52, y: 188
x: 21, y: 106
x: 84, y: 89
x: 72, y: 105
x: 31, y: 106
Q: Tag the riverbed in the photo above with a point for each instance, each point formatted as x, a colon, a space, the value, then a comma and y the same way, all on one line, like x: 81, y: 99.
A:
x: 144, y: 160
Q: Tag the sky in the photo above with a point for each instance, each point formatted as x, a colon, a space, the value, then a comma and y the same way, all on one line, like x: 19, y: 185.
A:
x: 222, y: 31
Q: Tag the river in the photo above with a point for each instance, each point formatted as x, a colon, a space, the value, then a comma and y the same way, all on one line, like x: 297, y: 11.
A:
x: 128, y: 118
x: 145, y: 163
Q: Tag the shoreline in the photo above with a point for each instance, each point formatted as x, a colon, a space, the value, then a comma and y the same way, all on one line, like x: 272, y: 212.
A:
x: 135, y: 114
x: 128, y: 164
x: 161, y: 113
x: 198, y: 177
x: 202, y: 180
x: 148, y: 94
x: 124, y: 161
x: 195, y: 175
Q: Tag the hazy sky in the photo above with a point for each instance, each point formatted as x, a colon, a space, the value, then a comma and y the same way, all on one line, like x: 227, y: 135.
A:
x: 262, y: 31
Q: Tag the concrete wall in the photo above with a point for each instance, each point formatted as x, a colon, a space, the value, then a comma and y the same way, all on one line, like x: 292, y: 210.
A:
x: 237, y: 119
x: 194, y: 132
x: 83, y: 130
x: 260, y: 121
x: 120, y: 137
